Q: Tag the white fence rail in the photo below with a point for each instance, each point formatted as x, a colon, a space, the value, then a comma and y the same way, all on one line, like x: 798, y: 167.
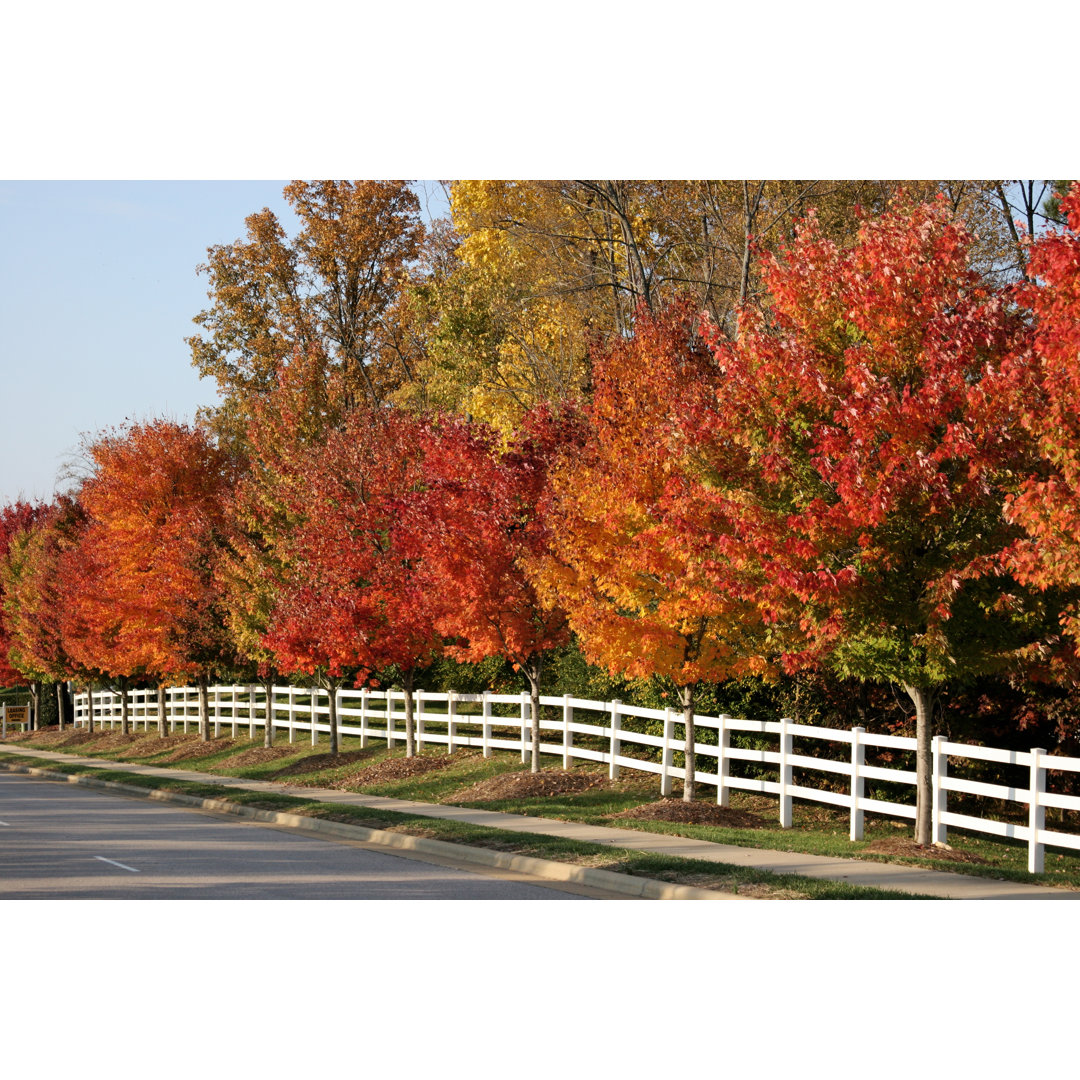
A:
x: 584, y: 730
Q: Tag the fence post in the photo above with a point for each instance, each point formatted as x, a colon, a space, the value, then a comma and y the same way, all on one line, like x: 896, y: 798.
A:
x: 785, y: 773
x: 485, y: 722
x: 858, y: 759
x: 616, y: 745
x: 1036, y: 812
x: 418, y: 698
x: 567, y: 735
x: 940, y: 770
x: 251, y: 712
x: 3, y: 722
x: 451, y: 715
x: 235, y: 709
x: 314, y: 706
x: 723, y: 762
x: 364, y: 691
x: 524, y: 725
x: 391, y: 742
x: 666, y: 754
x: 292, y: 713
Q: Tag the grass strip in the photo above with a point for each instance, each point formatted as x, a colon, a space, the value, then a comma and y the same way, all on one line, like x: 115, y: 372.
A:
x: 672, y: 869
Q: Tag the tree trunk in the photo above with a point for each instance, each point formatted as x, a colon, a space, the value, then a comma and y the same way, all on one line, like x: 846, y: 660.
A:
x: 35, y: 698
x: 923, y: 699
x: 123, y: 705
x: 163, y: 727
x: 268, y: 734
x: 410, y: 729
x: 204, y: 709
x: 533, y: 668
x: 60, y: 702
x: 688, y: 745
x: 331, y: 689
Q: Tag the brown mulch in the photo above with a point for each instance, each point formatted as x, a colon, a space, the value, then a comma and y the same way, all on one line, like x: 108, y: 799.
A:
x: 397, y: 769
x: 522, y: 785
x: 258, y: 754
x: 153, y: 743
x: 693, y: 813
x: 898, y: 845
x: 196, y: 749
x: 318, y: 762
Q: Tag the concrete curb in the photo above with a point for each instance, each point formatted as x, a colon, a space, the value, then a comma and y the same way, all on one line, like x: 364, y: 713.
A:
x: 608, y: 880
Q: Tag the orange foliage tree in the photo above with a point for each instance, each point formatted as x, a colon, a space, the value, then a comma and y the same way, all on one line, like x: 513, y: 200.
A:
x: 637, y: 534
x: 146, y: 601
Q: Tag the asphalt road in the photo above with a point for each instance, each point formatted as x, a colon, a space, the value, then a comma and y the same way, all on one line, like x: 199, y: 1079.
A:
x: 66, y: 842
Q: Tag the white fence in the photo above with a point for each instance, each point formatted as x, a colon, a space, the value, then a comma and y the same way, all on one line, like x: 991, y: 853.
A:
x: 595, y: 731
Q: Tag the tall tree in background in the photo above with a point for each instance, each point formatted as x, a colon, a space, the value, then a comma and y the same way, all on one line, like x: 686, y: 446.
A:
x: 329, y: 291
x: 876, y: 448
x: 545, y: 268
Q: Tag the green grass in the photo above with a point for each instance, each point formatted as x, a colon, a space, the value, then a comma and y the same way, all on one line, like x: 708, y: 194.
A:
x: 817, y: 830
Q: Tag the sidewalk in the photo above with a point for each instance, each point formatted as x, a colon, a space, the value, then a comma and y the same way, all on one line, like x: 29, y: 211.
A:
x: 854, y: 871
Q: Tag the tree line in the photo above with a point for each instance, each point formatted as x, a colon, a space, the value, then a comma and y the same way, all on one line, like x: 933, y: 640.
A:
x: 702, y: 436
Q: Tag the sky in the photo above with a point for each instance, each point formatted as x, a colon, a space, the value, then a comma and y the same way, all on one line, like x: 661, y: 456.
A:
x: 98, y: 287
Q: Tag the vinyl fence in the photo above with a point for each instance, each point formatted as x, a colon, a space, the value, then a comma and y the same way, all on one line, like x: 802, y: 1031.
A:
x: 851, y: 769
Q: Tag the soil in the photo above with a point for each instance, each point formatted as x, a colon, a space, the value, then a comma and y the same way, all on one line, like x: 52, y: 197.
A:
x: 397, y: 769
x: 519, y: 785
x: 899, y: 845
x: 317, y: 762
x: 693, y: 813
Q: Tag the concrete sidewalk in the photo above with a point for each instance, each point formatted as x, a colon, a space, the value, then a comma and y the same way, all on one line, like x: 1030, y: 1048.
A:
x: 854, y: 871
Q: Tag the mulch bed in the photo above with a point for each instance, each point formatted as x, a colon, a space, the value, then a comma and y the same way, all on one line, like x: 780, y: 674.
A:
x: 317, y: 762
x: 257, y: 755
x: 693, y: 813
x: 899, y: 845
x: 520, y: 785
x: 397, y: 769
x: 196, y: 749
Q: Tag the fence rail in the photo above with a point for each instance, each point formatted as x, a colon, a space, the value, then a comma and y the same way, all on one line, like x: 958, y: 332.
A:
x: 763, y: 752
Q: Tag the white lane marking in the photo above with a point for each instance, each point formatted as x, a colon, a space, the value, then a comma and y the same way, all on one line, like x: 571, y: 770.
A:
x: 115, y: 863
x: 5, y: 823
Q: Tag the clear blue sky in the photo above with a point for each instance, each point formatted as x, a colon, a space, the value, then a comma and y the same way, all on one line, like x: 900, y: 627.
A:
x: 98, y: 287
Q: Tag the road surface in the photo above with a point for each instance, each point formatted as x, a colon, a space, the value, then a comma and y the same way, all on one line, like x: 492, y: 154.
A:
x: 67, y: 842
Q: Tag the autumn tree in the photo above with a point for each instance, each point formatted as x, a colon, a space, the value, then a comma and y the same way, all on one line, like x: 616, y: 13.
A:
x: 352, y: 603
x: 866, y: 445
x: 476, y: 523
x: 329, y: 291
x: 15, y: 518
x: 544, y: 268
x: 149, y: 604
x: 34, y: 601
x: 1047, y: 506
x: 269, y: 504
x: 637, y: 534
